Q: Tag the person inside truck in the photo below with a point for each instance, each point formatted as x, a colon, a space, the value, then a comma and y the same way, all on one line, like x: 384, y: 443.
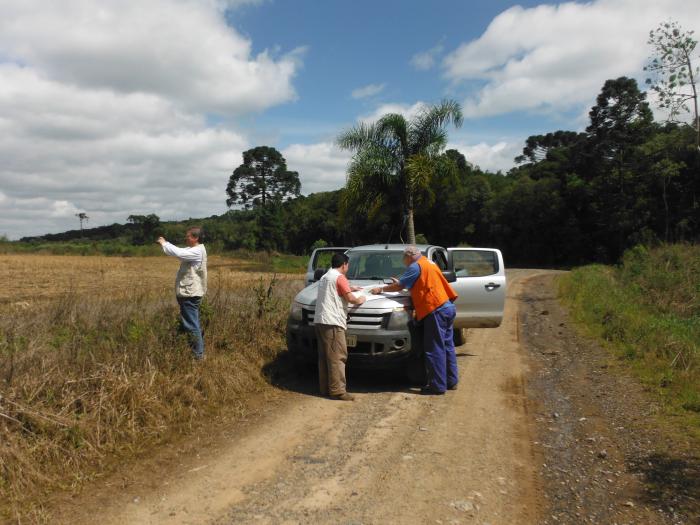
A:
x: 433, y: 299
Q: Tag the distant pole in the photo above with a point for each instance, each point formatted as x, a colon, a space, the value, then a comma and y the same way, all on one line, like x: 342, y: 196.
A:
x: 82, y: 216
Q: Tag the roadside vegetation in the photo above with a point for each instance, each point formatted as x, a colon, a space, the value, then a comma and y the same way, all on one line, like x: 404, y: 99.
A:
x: 95, y: 377
x: 646, y: 310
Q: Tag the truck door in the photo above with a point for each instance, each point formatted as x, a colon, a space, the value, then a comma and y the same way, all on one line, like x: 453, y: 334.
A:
x: 480, y: 284
x: 321, y: 259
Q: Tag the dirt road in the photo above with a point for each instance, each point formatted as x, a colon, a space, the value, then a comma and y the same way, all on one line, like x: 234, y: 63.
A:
x: 487, y: 453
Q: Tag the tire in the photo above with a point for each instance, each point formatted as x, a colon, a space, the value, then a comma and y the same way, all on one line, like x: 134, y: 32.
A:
x: 459, y: 336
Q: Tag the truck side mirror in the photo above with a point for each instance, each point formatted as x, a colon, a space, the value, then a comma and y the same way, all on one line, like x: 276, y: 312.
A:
x: 318, y: 273
x: 450, y: 276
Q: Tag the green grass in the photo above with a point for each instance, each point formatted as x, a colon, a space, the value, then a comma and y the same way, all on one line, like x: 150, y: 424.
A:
x: 646, y: 311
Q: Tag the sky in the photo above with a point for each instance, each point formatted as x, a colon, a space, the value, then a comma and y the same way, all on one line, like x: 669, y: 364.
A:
x: 119, y: 107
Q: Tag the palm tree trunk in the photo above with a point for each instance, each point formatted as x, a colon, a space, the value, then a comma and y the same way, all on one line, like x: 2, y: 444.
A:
x: 409, y: 227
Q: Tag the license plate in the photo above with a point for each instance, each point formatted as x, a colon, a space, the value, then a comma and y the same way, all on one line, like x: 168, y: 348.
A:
x: 351, y: 340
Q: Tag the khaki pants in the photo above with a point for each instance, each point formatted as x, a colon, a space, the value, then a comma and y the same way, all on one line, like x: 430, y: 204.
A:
x: 332, y: 355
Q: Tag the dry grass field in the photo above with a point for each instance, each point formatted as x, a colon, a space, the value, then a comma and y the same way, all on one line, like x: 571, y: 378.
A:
x: 37, y: 278
x: 93, y: 369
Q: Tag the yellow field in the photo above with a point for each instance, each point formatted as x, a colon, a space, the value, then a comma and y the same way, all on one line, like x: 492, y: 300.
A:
x: 37, y: 278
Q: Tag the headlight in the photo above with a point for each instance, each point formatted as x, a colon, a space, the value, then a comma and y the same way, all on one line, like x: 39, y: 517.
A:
x: 295, y: 312
x: 399, y: 319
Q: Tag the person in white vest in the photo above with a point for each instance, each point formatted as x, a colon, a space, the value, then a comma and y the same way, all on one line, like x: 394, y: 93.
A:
x: 190, y: 284
x: 330, y: 320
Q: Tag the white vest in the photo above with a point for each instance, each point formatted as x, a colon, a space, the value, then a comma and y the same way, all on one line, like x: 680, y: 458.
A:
x: 331, y: 309
x: 191, y: 279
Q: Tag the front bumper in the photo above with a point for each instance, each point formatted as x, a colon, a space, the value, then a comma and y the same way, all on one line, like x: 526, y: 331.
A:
x: 375, y: 349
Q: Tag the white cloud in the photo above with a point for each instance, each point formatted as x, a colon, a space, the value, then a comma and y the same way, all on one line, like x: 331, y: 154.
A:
x: 369, y: 90
x: 558, y: 57
x: 321, y: 166
x: 426, y: 60
x: 407, y: 110
x: 104, y: 109
x: 182, y: 50
x: 491, y: 157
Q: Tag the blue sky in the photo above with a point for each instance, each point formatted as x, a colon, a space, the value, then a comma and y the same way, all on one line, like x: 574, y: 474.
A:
x: 120, y: 107
x: 360, y: 43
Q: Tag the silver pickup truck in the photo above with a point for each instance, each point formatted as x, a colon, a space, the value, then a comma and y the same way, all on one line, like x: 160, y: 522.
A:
x: 381, y: 332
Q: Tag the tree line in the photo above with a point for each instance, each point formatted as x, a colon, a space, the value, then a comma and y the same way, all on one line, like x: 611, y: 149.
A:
x: 573, y: 197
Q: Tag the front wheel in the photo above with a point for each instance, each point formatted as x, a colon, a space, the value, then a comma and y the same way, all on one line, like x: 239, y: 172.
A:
x: 459, y: 336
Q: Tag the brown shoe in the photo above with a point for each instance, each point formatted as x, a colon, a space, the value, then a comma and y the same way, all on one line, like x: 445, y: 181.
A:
x: 344, y: 397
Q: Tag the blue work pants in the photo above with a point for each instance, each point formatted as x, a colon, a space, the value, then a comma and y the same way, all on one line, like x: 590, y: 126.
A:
x: 439, y: 347
x: 189, y: 321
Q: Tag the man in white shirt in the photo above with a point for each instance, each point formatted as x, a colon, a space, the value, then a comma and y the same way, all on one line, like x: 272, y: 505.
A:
x: 330, y: 320
x: 190, y: 284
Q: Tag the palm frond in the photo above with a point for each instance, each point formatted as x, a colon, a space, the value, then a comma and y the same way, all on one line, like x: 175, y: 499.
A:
x: 420, y: 170
x: 393, y: 130
x: 395, y: 159
x: 371, y: 174
x: 358, y: 137
x: 429, y: 125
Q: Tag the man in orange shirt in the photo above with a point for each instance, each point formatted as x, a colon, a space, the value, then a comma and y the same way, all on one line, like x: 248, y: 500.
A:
x: 433, y: 299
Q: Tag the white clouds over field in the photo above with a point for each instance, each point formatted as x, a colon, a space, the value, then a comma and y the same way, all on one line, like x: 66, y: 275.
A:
x: 407, y: 110
x: 321, y: 166
x: 491, y: 157
x: 555, y: 57
x: 107, y: 108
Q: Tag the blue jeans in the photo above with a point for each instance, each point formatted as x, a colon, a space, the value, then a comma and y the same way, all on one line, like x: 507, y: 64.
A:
x: 189, y: 321
x: 440, y: 356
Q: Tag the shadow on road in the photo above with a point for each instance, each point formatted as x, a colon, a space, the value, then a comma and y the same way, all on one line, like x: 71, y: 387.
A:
x: 287, y: 374
x: 671, y: 482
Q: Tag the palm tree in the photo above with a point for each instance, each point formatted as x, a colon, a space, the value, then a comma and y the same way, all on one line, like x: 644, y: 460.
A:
x: 83, y: 217
x: 394, y: 158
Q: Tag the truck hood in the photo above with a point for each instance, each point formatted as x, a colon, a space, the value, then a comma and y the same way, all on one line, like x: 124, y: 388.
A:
x: 307, y: 297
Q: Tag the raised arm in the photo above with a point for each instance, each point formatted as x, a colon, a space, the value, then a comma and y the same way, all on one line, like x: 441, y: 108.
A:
x: 193, y: 254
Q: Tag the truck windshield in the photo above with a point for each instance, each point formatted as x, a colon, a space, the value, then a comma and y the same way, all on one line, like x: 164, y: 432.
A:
x: 375, y: 265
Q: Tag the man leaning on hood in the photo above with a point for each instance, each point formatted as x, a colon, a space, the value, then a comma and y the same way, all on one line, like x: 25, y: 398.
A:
x: 433, y: 299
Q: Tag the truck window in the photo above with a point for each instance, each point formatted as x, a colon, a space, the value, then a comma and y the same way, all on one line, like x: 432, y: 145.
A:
x: 439, y: 258
x: 323, y: 259
x: 474, y: 263
x: 375, y: 265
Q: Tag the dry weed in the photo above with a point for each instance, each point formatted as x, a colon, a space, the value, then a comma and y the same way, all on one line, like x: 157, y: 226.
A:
x: 101, y: 373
